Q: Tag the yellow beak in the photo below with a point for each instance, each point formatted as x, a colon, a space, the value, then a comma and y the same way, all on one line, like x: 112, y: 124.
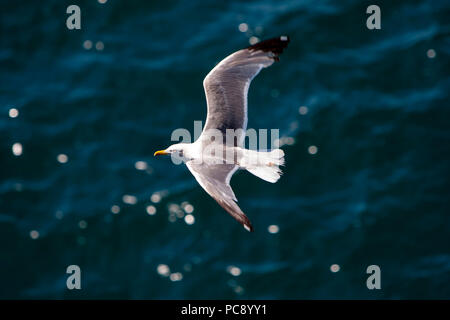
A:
x: 160, y: 152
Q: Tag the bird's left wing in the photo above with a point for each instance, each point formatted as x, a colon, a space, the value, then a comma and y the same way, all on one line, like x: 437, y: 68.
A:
x: 215, y: 179
x: 226, y: 85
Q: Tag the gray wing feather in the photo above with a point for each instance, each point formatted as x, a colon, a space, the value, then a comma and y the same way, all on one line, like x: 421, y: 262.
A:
x: 215, y: 179
x: 226, y: 85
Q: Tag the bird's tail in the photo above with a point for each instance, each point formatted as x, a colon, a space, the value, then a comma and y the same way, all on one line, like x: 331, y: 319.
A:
x: 264, y: 164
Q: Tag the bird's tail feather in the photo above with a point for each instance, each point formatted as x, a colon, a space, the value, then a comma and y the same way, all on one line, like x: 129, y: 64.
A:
x: 264, y: 164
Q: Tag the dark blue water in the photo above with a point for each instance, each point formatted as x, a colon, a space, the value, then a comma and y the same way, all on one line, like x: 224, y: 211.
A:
x: 375, y: 193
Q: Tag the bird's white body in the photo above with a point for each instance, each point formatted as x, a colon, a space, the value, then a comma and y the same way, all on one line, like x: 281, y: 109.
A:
x: 263, y: 164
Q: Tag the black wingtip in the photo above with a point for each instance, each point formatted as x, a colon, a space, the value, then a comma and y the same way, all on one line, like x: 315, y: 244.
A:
x: 274, y: 45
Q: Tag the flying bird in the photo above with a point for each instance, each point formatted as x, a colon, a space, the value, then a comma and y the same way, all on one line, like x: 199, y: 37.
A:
x: 213, y: 158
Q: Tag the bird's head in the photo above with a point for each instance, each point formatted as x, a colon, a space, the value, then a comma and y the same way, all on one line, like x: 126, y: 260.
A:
x: 175, y: 149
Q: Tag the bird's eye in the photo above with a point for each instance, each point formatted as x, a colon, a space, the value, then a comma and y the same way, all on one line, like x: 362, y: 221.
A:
x: 181, y: 153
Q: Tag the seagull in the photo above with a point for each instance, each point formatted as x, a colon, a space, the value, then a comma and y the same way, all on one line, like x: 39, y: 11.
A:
x: 214, y: 157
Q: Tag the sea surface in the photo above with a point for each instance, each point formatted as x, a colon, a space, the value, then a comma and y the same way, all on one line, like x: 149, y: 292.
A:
x: 364, y: 120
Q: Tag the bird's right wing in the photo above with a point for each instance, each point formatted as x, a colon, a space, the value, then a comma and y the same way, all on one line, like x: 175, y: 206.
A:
x: 215, y: 179
x: 226, y: 85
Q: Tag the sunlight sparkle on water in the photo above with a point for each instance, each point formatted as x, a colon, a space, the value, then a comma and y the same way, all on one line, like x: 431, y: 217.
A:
x: 62, y: 158
x: 335, y: 268
x: 82, y: 224
x: 239, y: 290
x: 289, y: 141
x: 151, y: 210
x: 189, y: 219
x: 243, y: 27
x: 34, y: 234
x: 17, y: 149
x: 87, y: 44
x: 312, y: 149
x: 115, y: 209
x: 303, y: 110
x: 156, y: 197
x: 175, y: 210
x: 99, y: 46
x: 188, y: 208
x: 273, y: 228
x: 234, y: 271
x: 163, y: 269
x: 253, y: 40
x: 13, y: 113
x: 177, y: 276
x: 129, y: 199
x: 141, y: 165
